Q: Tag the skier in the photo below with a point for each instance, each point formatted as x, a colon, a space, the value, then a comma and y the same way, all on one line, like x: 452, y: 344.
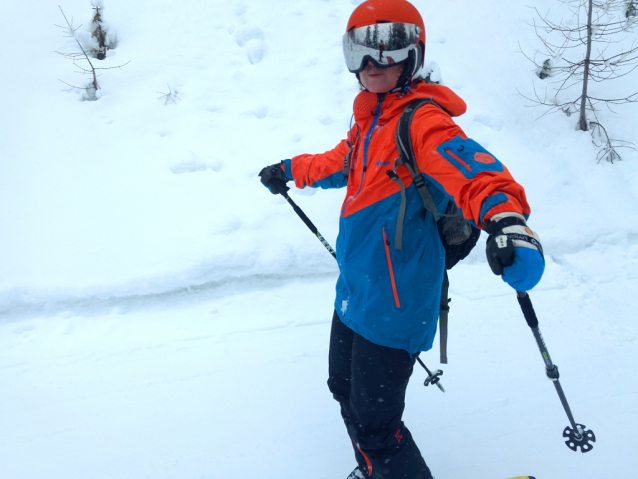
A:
x: 390, y: 255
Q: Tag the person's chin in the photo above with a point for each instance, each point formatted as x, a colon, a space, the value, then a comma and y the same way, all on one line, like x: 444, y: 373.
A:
x: 378, y: 88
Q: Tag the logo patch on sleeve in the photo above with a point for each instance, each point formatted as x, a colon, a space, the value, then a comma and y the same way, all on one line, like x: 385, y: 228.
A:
x: 484, y: 158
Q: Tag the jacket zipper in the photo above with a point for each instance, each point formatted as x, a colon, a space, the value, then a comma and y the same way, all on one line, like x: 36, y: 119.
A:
x: 451, y: 153
x: 386, y: 244
x: 377, y: 114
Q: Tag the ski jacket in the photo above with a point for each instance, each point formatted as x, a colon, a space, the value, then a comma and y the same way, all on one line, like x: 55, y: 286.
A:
x: 391, y: 296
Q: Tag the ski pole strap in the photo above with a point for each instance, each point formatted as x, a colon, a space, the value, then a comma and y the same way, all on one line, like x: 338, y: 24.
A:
x: 443, y: 318
x: 527, y: 308
x: 309, y: 224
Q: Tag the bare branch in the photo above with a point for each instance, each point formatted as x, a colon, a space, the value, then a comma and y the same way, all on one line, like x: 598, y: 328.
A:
x: 95, y: 84
x: 83, y: 55
x: 170, y: 96
x: 581, y: 49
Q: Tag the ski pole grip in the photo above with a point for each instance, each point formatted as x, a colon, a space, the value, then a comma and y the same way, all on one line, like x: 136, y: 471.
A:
x: 527, y: 308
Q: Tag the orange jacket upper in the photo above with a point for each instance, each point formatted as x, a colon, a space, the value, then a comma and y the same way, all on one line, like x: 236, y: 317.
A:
x: 390, y: 292
x: 431, y: 128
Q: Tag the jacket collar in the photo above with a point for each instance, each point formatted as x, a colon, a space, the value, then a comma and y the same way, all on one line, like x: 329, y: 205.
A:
x: 394, y: 103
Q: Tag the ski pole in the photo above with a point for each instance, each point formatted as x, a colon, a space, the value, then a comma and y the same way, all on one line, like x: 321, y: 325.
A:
x: 309, y: 224
x: 577, y: 436
x: 432, y: 378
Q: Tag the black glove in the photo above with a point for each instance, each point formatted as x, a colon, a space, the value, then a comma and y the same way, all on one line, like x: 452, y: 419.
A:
x: 514, y: 251
x: 274, y: 178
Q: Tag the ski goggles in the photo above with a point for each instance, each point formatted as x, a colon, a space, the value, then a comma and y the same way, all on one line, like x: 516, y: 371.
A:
x: 384, y: 44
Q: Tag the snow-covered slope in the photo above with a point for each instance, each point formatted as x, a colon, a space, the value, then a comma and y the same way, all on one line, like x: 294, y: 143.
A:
x: 162, y: 315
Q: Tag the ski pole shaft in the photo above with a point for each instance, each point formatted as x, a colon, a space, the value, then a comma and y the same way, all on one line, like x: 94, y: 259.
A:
x: 309, y: 224
x: 579, y: 435
x: 551, y: 368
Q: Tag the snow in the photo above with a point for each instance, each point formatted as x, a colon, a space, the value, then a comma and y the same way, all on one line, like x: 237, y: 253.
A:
x: 162, y: 315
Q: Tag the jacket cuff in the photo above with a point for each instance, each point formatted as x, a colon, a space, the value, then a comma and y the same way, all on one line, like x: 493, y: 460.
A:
x: 502, y: 208
x: 286, y: 165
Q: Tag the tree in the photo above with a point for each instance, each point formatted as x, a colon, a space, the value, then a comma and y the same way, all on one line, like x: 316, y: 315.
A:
x: 85, y: 52
x: 398, y: 36
x: 584, y: 50
x: 99, y: 34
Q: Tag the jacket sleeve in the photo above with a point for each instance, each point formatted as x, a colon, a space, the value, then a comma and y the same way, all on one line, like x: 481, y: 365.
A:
x: 323, y: 170
x: 480, y: 185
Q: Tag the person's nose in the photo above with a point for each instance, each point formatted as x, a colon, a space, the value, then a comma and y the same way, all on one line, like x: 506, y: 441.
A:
x: 371, y: 67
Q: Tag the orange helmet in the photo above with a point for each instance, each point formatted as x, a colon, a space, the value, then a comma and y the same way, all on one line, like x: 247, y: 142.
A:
x: 387, y: 33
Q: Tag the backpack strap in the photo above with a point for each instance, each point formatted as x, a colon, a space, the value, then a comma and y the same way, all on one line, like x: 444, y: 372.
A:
x: 398, y: 235
x: 443, y: 315
x: 407, y: 158
x: 347, y: 160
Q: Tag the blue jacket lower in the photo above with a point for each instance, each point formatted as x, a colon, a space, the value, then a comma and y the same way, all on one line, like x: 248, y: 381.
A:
x: 391, y: 297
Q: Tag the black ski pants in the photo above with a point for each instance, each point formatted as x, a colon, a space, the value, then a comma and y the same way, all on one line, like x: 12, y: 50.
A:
x: 369, y: 382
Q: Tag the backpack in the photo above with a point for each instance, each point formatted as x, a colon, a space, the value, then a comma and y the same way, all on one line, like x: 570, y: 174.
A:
x: 457, y: 235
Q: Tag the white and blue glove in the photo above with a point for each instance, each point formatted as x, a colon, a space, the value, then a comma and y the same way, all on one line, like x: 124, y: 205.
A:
x: 514, y: 251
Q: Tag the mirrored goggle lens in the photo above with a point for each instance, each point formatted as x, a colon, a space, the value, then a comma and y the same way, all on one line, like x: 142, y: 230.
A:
x: 383, y: 43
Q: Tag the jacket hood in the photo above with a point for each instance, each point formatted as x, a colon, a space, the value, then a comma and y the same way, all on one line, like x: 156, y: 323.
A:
x: 365, y: 104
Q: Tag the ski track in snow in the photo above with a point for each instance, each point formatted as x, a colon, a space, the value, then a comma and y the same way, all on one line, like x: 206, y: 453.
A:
x: 28, y: 306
